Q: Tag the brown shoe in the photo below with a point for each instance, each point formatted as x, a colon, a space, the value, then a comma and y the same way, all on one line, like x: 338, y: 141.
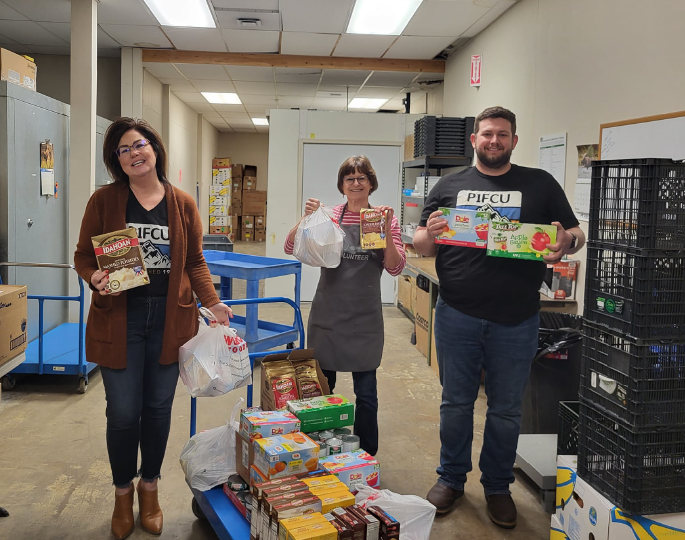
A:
x: 151, y: 518
x: 502, y: 510
x: 443, y: 498
x: 122, y: 518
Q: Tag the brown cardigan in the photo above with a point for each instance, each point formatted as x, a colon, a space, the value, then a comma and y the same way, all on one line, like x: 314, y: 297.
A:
x: 106, y: 327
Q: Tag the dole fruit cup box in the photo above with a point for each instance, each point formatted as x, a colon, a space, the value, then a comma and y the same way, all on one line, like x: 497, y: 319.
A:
x: 323, y: 412
x: 354, y: 469
x: 466, y: 228
x: 286, y: 455
x: 265, y: 424
x: 520, y: 240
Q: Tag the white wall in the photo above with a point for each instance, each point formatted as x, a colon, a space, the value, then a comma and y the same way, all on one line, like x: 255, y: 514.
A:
x: 152, y: 101
x: 210, y: 138
x: 247, y: 149
x: 183, y: 156
x: 571, y: 66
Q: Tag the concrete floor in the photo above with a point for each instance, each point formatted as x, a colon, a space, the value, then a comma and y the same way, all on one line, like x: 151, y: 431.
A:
x: 55, y: 478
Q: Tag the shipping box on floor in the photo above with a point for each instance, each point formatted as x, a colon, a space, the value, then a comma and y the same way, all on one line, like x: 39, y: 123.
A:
x: 254, y: 203
x: 555, y: 530
x: 221, y: 177
x: 250, y: 170
x: 260, y: 223
x: 219, y: 230
x: 247, y: 235
x: 268, y: 402
x: 221, y: 162
x: 247, y: 223
x: 404, y: 293
x: 237, y: 170
x: 17, y: 69
x: 421, y: 315
x: 434, y: 352
x: 249, y: 183
x: 12, y: 321
x: 260, y: 235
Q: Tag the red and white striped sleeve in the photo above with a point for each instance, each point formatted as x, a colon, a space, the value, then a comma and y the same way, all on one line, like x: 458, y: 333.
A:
x: 397, y: 239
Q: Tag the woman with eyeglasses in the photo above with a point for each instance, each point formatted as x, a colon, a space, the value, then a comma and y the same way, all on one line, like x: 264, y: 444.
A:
x: 346, y: 319
x: 135, y: 335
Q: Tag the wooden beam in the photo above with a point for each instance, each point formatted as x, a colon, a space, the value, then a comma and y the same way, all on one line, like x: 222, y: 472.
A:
x: 291, y: 60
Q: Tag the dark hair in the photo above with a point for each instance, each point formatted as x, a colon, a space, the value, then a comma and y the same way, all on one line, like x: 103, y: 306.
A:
x: 361, y: 164
x: 116, y: 131
x: 496, y: 112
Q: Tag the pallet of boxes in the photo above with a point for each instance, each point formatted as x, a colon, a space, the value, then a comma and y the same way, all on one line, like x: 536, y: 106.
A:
x: 253, y: 206
x: 220, y: 199
x: 628, y: 479
x: 299, y: 465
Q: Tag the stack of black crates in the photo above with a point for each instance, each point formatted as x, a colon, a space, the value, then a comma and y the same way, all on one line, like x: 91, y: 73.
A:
x: 631, y: 445
x: 443, y: 137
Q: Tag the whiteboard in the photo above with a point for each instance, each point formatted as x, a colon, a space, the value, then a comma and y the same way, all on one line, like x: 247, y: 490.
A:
x: 319, y: 181
x: 652, y: 137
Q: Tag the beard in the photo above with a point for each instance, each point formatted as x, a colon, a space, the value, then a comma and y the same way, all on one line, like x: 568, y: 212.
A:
x: 493, y: 162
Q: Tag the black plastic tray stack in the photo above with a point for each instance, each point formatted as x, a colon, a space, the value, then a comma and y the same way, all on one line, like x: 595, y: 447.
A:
x: 443, y: 137
x: 631, y: 445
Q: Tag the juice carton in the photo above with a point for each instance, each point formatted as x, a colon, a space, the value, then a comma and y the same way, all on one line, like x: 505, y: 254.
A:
x: 467, y: 228
x: 323, y: 412
x: 264, y: 424
x: 285, y: 455
x: 520, y: 240
x: 353, y: 469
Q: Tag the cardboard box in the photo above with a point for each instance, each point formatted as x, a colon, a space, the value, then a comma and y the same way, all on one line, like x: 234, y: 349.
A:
x: 250, y: 170
x: 247, y: 223
x: 219, y: 211
x: 354, y: 469
x: 323, y: 412
x: 237, y: 184
x: 218, y: 221
x: 221, y: 191
x: 555, y: 530
x: 220, y: 230
x: 254, y: 203
x: 13, y: 316
x: 17, y: 69
x: 265, y: 424
x: 249, y: 183
x: 340, y: 499
x: 246, y: 235
x: 465, y: 228
x: 318, y: 531
x: 404, y: 292
x: 409, y: 148
x: 221, y: 162
x: 237, y: 209
x: 390, y: 527
x: 285, y: 455
x: 413, y: 295
x: 525, y: 241
x: 260, y: 222
x: 237, y: 170
x: 244, y: 457
x: 293, y: 523
x: 221, y: 177
x: 218, y: 200
x: 260, y: 235
x: 560, y: 280
x: 421, y: 314
x: 434, y: 353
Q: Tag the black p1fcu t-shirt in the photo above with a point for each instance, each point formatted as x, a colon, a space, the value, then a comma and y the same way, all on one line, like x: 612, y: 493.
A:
x: 153, y: 235
x: 496, y: 289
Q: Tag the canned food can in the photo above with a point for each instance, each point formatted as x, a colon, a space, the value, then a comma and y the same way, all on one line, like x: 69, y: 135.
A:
x: 236, y: 483
x: 248, y: 501
x: 242, y: 496
x: 323, y: 449
x: 339, y: 432
x: 350, y: 443
x: 334, y: 446
x: 313, y: 436
x: 325, y: 435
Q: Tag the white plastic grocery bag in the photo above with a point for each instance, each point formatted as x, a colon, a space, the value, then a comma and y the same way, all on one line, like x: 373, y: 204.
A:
x: 209, y: 457
x: 215, y: 361
x: 415, y: 514
x: 319, y: 239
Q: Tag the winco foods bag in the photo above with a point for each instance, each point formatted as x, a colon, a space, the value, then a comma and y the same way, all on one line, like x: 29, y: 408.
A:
x: 215, y: 361
x: 319, y: 240
x: 119, y: 253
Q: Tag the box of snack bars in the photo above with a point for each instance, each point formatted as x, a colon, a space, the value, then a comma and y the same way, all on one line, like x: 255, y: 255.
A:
x: 118, y: 253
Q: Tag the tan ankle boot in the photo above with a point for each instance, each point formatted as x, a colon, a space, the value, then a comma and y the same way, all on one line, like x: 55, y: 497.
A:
x: 122, y: 518
x: 151, y: 518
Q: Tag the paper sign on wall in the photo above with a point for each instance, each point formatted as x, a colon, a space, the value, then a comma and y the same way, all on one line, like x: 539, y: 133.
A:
x: 47, y: 169
x: 476, y: 68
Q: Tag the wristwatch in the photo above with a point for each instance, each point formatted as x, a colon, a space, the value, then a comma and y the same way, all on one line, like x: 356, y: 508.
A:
x: 574, y: 242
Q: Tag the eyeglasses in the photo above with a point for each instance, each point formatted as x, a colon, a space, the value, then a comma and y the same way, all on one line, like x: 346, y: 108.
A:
x: 363, y: 180
x: 137, y: 146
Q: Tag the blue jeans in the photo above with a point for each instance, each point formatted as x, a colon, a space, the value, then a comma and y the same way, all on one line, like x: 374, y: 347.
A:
x: 465, y: 345
x: 366, y: 407
x: 139, y: 397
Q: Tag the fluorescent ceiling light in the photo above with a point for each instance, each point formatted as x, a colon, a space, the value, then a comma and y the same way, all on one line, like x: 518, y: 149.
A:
x: 223, y: 98
x: 189, y: 13
x: 382, y: 17
x: 367, y: 103
x: 260, y: 121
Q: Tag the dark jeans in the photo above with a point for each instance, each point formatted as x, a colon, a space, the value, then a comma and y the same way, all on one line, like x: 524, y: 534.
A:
x: 366, y: 409
x: 139, y: 397
x: 465, y: 345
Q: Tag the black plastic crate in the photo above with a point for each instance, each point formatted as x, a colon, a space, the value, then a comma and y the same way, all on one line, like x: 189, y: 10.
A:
x: 636, y: 292
x: 567, y: 433
x: 641, y: 382
x: 640, y: 471
x: 443, y: 137
x: 638, y: 203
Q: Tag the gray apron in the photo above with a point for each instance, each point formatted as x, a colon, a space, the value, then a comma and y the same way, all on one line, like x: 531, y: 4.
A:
x: 346, y: 320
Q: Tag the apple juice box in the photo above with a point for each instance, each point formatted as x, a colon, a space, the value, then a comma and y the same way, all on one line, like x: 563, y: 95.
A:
x: 323, y: 412
x: 520, y: 240
x: 466, y: 228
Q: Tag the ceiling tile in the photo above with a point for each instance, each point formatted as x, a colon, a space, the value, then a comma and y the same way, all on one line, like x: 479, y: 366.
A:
x: 251, y: 73
x: 190, y: 97
x: 244, y: 129
x: 223, y: 107
x: 291, y: 102
x: 214, y: 86
x: 259, y: 110
x: 262, y: 129
x: 305, y: 43
x: 29, y: 33
x: 418, y: 48
x: 43, y: 10
x: 394, y: 105
x: 363, y: 46
x: 251, y: 41
x: 105, y: 40
x: 196, y: 39
x: 247, y: 4
x: 329, y: 104
x: 269, y: 21
x: 343, y: 77
x: 178, y: 85
x: 206, y: 72
x: 10, y: 14
x: 61, y: 30
x: 235, y: 116
x: 378, y: 92
x: 260, y: 88
x: 162, y: 70
x: 125, y: 12
x: 326, y: 16
x: 213, y: 117
x: 297, y: 75
x: 201, y: 107
x: 219, y: 124
x: 326, y: 90
x: 128, y: 35
x: 286, y: 89
x: 391, y: 78
x: 444, y: 18
x: 64, y: 50
x: 240, y: 121
x: 260, y: 101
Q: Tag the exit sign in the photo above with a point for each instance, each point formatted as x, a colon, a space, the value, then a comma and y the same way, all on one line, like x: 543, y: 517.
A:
x: 476, y: 68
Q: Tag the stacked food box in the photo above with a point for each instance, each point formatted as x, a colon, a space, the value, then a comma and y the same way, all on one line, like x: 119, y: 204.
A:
x: 220, y: 198
x: 250, y: 204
